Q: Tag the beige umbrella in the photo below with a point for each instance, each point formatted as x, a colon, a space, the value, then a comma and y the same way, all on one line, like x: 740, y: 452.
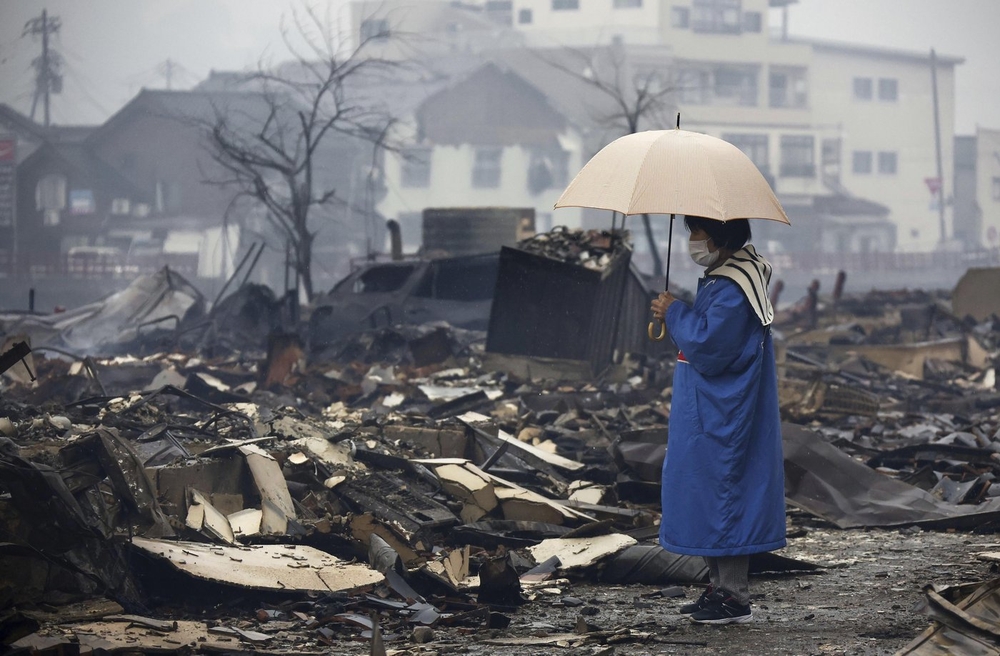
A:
x: 673, y: 172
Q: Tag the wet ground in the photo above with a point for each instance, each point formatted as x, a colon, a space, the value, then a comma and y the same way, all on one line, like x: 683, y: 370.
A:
x: 864, y: 603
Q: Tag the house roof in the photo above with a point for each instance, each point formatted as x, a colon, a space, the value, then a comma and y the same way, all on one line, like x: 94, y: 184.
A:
x: 191, y: 106
x: 490, y: 106
x: 79, y: 158
x: 11, y: 119
x: 15, y: 121
x: 875, y: 51
x: 840, y: 205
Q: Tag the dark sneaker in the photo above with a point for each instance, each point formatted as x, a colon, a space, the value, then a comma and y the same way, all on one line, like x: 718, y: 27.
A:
x: 722, y: 609
x: 701, y: 603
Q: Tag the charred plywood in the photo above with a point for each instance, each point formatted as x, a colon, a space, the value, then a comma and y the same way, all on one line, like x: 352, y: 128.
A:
x: 263, y: 567
x: 391, y: 499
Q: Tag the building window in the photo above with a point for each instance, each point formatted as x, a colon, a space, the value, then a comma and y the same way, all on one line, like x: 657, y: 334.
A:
x: 787, y: 88
x: 861, y: 162
x: 374, y: 28
x: 692, y: 86
x: 50, y: 193
x: 996, y: 189
x: 754, y: 146
x: 627, y: 4
x: 680, y: 17
x: 862, y: 88
x: 797, y: 156
x: 752, y: 21
x: 736, y: 86
x: 564, y: 5
x: 716, y: 16
x: 486, y: 170
x: 524, y: 17
x: 415, y: 170
x: 888, y: 89
x: 548, y: 169
x: 887, y: 163
x: 830, y: 160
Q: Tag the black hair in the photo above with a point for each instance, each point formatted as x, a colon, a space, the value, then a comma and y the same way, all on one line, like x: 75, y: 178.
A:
x: 732, y: 234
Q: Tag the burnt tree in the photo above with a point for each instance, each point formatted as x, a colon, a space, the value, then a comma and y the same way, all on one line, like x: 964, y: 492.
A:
x: 636, y: 99
x: 272, y: 154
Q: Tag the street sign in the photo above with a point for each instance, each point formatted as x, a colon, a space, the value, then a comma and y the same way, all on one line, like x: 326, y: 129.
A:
x: 934, y: 184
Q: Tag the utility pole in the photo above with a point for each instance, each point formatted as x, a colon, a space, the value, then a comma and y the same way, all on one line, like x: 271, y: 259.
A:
x: 167, y: 70
x: 48, y: 79
x: 937, y: 148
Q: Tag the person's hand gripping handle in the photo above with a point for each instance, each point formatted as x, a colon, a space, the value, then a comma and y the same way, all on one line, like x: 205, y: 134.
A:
x: 659, y: 310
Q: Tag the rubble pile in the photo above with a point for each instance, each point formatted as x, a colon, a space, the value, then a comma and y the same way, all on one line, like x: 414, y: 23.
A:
x: 393, y: 489
x: 592, y: 249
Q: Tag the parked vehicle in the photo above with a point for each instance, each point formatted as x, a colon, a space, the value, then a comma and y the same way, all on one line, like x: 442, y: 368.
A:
x: 458, y: 290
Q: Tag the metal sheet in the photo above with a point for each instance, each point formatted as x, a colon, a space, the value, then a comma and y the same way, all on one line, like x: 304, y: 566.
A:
x: 825, y: 481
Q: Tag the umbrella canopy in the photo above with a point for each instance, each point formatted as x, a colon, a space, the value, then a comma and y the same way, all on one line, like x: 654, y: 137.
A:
x: 674, y: 172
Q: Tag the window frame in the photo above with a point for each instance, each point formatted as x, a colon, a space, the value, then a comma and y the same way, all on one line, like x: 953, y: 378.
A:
x: 717, y: 16
x: 408, y: 168
x: 525, y: 12
x: 487, y: 175
x: 680, y: 17
x: 753, y: 145
x: 788, y: 96
x: 883, y: 159
x: 744, y: 95
x: 859, y: 156
x: 883, y: 86
x: 790, y: 143
x: 367, y: 34
x: 864, y: 81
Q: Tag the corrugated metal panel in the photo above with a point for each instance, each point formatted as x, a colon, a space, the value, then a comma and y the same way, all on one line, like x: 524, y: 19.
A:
x: 548, y: 308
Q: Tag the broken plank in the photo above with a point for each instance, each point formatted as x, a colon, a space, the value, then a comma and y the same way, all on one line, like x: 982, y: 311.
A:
x: 276, y: 502
x: 581, y: 552
x: 467, y: 485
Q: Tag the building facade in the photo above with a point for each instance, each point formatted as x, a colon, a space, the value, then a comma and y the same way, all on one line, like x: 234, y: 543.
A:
x: 821, y: 120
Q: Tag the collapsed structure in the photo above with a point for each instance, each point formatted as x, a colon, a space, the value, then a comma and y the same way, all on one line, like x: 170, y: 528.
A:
x: 404, y: 482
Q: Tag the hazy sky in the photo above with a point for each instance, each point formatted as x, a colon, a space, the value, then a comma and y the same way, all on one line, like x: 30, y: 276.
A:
x: 112, y: 48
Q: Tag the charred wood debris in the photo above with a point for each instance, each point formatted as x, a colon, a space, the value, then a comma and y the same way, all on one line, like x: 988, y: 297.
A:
x: 197, y: 471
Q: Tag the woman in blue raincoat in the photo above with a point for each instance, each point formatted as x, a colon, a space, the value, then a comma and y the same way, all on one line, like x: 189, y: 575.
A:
x: 723, y: 478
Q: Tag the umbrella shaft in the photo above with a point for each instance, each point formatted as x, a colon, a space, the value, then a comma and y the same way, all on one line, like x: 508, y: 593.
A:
x: 670, y: 242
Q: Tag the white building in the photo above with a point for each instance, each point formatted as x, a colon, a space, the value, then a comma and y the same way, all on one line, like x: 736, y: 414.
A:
x: 844, y: 132
x: 977, y: 188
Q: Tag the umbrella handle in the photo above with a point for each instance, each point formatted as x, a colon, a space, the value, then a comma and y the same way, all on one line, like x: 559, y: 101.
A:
x: 652, y: 327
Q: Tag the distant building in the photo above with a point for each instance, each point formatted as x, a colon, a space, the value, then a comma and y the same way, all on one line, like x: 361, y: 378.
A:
x: 977, y: 189
x: 490, y: 139
x: 823, y: 121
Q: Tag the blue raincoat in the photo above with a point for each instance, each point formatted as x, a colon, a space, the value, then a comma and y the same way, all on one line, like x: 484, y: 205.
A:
x: 723, y: 478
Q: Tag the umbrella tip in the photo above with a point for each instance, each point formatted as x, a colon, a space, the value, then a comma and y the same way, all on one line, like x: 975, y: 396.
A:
x: 678, y: 120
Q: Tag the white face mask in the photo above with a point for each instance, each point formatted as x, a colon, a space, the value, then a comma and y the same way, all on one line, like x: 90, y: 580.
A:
x: 700, y: 253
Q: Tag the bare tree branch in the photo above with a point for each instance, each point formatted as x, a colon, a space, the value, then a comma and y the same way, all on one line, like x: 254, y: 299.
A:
x: 269, y: 148
x: 635, y: 99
